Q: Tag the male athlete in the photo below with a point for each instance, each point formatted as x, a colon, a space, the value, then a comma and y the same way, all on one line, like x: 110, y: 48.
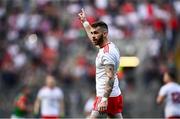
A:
x: 21, y: 104
x: 50, y: 99
x: 108, y: 95
x: 170, y: 93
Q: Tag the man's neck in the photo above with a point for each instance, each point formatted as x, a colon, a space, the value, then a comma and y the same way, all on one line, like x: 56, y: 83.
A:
x: 170, y: 81
x: 106, y: 41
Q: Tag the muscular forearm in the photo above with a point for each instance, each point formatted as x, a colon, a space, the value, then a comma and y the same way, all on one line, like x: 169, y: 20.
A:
x: 108, y: 88
x: 87, y: 28
x: 110, y: 80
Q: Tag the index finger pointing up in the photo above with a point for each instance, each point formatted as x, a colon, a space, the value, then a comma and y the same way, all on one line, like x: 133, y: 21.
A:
x: 82, y: 10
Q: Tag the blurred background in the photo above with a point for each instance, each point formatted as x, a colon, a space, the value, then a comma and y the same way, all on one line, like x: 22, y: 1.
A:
x: 38, y: 37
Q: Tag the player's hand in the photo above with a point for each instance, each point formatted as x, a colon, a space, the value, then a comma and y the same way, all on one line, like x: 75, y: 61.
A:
x: 82, y: 16
x: 102, y: 106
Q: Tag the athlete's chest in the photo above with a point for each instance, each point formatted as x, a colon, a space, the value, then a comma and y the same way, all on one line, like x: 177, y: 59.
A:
x: 50, y: 94
x: 99, y: 57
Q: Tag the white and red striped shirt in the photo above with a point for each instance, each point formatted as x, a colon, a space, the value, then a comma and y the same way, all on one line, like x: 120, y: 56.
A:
x: 108, y: 54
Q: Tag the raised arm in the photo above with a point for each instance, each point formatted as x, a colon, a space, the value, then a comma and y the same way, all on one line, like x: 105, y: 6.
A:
x: 86, y: 25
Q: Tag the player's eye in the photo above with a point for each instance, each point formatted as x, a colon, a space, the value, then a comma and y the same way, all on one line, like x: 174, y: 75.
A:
x: 95, y: 32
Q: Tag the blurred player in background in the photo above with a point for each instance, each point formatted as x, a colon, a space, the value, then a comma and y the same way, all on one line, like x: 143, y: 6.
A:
x: 50, y: 100
x: 108, y: 95
x: 170, y: 93
x: 89, y: 104
x: 21, y: 105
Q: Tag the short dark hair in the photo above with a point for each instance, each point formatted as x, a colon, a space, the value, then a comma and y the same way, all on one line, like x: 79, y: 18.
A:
x: 172, y: 73
x: 100, y: 24
x: 23, y: 87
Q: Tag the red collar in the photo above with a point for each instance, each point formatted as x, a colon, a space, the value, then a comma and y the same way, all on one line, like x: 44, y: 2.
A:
x: 105, y: 44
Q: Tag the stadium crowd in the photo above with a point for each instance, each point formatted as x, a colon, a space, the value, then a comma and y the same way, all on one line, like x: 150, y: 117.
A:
x: 40, y: 37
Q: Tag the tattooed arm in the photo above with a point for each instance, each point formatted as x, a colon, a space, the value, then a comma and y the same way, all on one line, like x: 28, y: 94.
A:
x: 109, y: 69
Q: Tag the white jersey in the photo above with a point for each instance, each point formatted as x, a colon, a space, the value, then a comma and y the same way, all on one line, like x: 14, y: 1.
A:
x: 89, y: 105
x: 171, y: 91
x: 109, y: 54
x: 50, y: 101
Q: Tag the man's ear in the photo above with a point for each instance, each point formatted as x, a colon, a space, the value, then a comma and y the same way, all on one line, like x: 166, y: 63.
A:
x: 105, y: 33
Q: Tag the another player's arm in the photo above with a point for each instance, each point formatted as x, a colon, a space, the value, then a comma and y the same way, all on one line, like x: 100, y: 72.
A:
x: 37, y: 106
x: 62, y: 108
x: 85, y: 23
x: 160, y: 99
x: 109, y: 69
